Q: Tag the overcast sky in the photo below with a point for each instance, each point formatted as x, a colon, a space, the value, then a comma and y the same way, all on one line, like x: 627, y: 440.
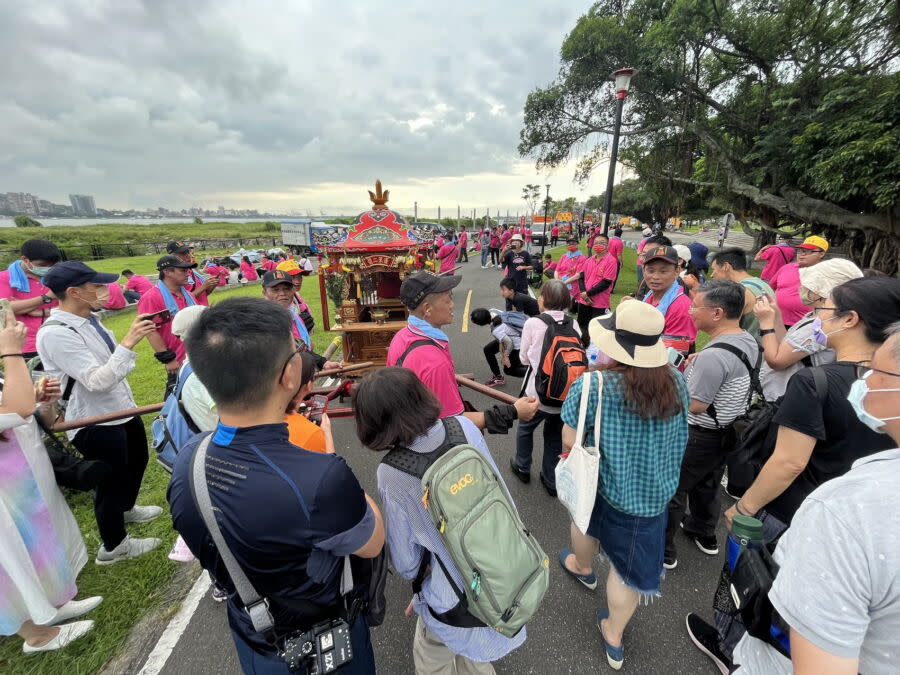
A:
x: 297, y: 104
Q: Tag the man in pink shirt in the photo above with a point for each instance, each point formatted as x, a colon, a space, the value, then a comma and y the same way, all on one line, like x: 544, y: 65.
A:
x: 20, y: 283
x: 447, y: 254
x: 505, y: 237
x: 661, y: 269
x: 554, y: 234
x: 197, y: 285
x: 569, y: 268
x: 598, y: 274
x: 169, y: 293
x: 135, y: 285
x: 424, y: 348
x: 463, y: 245
x: 776, y: 257
x: 116, y: 297
x: 218, y: 272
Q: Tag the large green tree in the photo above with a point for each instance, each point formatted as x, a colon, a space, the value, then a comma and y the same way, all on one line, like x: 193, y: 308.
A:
x: 786, y: 112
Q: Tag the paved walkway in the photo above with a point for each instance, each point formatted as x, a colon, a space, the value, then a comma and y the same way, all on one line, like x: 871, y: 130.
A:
x: 563, y: 637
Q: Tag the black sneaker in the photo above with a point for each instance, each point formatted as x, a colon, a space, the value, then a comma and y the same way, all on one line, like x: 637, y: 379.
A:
x: 522, y: 475
x: 708, y: 545
x: 706, y: 638
x: 670, y: 562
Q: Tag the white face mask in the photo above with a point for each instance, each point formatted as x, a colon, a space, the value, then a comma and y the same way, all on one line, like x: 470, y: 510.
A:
x: 857, y: 397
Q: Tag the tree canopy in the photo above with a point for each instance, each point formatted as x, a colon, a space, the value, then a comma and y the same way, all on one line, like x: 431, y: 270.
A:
x: 25, y: 221
x: 785, y: 112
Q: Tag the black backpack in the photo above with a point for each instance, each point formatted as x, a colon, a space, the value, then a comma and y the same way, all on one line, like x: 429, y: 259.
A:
x: 755, y: 436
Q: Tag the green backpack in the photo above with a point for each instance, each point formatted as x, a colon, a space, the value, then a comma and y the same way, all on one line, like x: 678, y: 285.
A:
x: 505, y: 569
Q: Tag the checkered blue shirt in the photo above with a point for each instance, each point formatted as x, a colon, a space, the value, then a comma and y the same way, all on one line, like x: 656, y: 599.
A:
x: 640, y: 460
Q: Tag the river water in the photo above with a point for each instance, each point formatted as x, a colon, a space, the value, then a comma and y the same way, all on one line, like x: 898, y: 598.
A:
x: 8, y: 222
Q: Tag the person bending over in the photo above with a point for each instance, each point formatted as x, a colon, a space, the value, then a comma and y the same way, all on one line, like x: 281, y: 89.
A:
x: 507, y: 339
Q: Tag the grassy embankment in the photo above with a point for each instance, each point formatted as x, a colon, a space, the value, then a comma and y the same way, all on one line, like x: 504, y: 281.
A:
x: 132, y: 588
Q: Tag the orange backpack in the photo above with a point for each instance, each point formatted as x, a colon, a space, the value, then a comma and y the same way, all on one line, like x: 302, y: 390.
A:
x: 562, y: 361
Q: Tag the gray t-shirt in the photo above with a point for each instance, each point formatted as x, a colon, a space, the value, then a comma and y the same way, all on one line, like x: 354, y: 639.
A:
x: 839, y: 582
x: 717, y: 376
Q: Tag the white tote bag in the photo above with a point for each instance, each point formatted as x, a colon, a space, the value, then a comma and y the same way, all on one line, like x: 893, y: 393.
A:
x: 577, y: 472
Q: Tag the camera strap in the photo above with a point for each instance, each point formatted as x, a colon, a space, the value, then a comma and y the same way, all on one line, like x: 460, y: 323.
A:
x: 254, y: 605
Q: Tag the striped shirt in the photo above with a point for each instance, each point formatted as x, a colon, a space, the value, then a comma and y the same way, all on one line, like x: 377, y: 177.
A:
x: 717, y: 376
x: 410, y: 531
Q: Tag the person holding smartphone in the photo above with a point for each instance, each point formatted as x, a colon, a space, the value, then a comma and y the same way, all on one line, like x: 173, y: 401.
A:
x: 78, y: 350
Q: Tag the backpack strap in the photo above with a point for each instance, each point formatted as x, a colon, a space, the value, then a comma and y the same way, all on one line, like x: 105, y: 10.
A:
x: 186, y: 371
x: 417, y: 463
x: 753, y: 371
x: 415, y: 344
x: 820, y: 382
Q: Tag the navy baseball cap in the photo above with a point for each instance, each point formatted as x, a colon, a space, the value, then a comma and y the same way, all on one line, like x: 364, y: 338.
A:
x: 74, y: 273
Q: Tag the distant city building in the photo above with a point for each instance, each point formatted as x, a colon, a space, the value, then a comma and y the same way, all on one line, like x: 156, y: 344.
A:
x: 83, y: 205
x: 23, y: 202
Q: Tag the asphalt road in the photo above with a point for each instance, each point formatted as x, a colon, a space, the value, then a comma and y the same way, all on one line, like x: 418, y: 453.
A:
x: 562, y: 637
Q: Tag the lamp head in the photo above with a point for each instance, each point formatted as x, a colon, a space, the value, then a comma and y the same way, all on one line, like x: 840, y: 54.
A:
x: 623, y: 81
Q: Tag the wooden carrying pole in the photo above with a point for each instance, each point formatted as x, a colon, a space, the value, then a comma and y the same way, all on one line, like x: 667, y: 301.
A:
x: 484, y: 389
x: 156, y: 407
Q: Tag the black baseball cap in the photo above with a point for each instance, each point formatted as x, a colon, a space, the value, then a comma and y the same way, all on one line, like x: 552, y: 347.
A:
x: 168, y: 261
x: 667, y: 253
x: 74, y: 273
x: 177, y: 247
x: 416, y: 287
x: 276, y: 277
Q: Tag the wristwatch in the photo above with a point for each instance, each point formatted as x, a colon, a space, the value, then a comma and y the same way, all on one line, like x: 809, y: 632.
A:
x: 766, y: 331
x: 46, y: 299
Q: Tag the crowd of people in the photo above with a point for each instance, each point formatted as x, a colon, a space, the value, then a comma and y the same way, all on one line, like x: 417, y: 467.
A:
x: 815, y: 342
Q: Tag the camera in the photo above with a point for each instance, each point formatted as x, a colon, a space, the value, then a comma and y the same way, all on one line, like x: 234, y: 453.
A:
x: 320, y: 650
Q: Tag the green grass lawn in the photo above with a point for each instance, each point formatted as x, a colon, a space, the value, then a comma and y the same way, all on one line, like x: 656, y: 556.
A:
x: 132, y: 588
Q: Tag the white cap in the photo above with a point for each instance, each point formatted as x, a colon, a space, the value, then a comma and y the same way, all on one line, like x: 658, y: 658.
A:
x: 683, y: 252
x: 185, y: 318
x: 517, y: 237
x: 646, y: 232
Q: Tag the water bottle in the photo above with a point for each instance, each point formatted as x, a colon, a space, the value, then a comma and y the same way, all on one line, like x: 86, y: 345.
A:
x: 746, y: 532
x: 593, y: 354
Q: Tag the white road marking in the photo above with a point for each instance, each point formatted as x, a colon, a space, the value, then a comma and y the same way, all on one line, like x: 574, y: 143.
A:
x: 173, y: 632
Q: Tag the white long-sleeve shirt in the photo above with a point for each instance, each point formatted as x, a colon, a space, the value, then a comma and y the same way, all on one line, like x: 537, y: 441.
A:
x: 533, y: 333
x: 81, y: 354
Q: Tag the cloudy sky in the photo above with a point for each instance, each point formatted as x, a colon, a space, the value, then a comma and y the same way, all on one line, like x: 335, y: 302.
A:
x: 297, y: 104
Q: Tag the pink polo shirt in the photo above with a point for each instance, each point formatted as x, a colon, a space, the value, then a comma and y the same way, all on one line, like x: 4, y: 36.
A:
x: 249, y: 272
x: 447, y: 254
x: 194, y: 281
x: 787, y: 293
x: 463, y: 238
x: 269, y: 265
x: 116, y: 297
x: 433, y: 364
x: 776, y: 257
x: 219, y: 272
x: 594, y: 272
x: 616, y: 247
x: 32, y: 323
x: 152, y: 301
x: 138, y: 283
x: 568, y: 267
x: 505, y: 237
x: 678, y: 317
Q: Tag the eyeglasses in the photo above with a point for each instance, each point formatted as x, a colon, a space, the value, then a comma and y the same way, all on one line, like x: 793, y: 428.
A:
x: 693, y: 307
x: 807, y: 251
x: 294, y: 353
x: 816, y: 310
x: 863, y: 372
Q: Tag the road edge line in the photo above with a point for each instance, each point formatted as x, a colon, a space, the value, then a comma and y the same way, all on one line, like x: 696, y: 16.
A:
x: 167, y: 642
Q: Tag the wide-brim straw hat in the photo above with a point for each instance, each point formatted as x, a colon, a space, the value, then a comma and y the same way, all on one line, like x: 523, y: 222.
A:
x: 631, y: 335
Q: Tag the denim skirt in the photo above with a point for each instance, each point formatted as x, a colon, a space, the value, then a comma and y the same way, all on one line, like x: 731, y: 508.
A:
x: 634, y: 545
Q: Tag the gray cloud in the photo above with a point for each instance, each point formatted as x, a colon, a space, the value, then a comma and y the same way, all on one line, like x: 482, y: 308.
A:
x: 165, y: 102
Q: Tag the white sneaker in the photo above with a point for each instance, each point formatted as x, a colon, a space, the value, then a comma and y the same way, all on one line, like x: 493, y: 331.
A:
x: 142, y: 514
x: 129, y: 548
x: 68, y: 633
x: 75, y: 608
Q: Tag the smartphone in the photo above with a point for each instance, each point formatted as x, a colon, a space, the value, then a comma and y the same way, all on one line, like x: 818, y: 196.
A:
x: 676, y: 358
x: 4, y: 308
x: 316, y: 407
x: 160, y: 317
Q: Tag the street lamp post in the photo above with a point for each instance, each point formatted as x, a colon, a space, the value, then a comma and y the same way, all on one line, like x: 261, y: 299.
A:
x: 546, y: 208
x: 623, y: 80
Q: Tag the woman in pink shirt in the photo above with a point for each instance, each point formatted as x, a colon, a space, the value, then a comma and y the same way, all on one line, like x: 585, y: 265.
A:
x: 219, y: 272
x: 569, y: 266
x: 776, y: 257
x: 248, y: 270
x: 786, y: 283
x: 598, y: 274
x: 447, y: 254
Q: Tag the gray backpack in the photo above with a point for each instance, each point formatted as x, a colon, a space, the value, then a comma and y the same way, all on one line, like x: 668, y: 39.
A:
x: 505, y: 570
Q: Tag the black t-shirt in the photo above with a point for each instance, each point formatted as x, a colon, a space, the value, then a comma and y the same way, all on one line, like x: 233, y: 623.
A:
x: 513, y: 259
x: 522, y: 302
x: 288, y: 515
x: 841, y: 437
